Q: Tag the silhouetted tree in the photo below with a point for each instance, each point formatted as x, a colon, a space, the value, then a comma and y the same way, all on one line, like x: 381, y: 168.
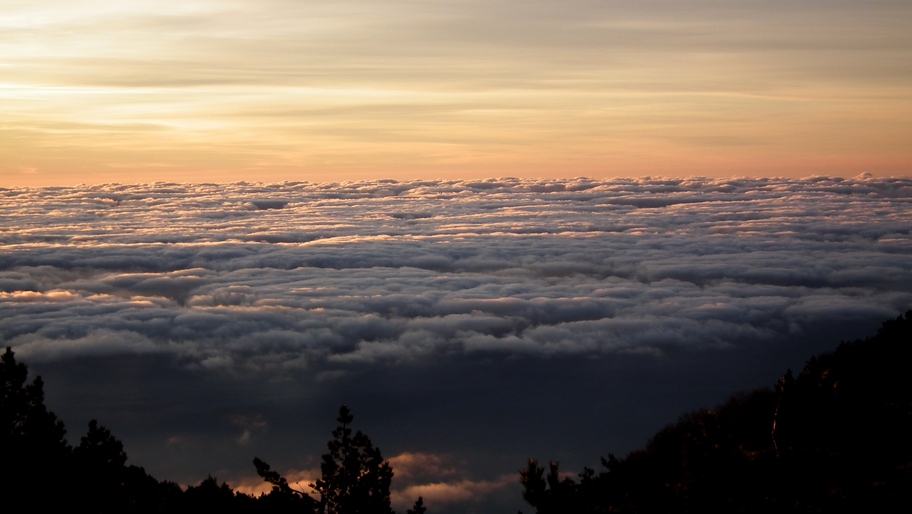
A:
x: 283, y: 498
x: 551, y: 494
x: 279, y: 483
x: 210, y: 496
x: 354, y: 477
x: 418, y: 508
x: 100, y: 461
x: 33, y: 445
x: 39, y: 469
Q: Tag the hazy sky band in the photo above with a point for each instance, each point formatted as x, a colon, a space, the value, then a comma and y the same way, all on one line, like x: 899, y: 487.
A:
x: 137, y: 91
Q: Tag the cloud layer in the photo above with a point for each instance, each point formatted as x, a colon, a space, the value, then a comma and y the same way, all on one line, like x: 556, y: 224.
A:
x: 266, y: 277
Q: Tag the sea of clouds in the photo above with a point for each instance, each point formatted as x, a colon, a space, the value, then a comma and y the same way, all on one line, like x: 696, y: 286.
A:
x: 293, y: 274
x: 207, y: 322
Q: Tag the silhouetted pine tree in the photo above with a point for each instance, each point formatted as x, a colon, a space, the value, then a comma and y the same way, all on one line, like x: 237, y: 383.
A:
x: 32, y: 440
x: 418, y: 508
x: 354, y: 477
x: 283, y: 498
x: 40, y: 470
x: 101, y: 462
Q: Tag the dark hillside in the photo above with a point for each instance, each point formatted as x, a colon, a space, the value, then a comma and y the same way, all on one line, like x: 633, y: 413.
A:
x: 834, y: 438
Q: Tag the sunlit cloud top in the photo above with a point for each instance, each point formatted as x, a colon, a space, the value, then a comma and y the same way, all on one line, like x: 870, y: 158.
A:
x: 304, y: 274
x: 127, y: 91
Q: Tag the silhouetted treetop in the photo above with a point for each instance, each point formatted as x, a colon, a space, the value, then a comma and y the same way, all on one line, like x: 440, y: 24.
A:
x: 32, y: 440
x: 418, y: 508
x: 355, y: 479
x: 24, y: 418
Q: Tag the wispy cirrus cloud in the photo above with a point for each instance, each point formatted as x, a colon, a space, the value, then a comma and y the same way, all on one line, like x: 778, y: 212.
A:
x: 328, y: 90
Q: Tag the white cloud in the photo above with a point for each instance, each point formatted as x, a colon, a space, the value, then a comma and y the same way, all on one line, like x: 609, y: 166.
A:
x: 398, y: 271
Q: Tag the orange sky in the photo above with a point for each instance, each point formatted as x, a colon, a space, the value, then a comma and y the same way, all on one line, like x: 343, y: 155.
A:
x: 128, y: 91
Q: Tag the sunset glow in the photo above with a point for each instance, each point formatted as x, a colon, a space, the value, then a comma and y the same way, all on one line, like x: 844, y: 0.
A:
x: 101, y: 91
x: 503, y: 234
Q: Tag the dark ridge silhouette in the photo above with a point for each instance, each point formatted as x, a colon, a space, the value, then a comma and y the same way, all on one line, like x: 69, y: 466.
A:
x: 838, y: 438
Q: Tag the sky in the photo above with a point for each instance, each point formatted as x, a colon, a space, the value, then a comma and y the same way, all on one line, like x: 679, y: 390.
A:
x: 96, y: 91
x: 468, y: 324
